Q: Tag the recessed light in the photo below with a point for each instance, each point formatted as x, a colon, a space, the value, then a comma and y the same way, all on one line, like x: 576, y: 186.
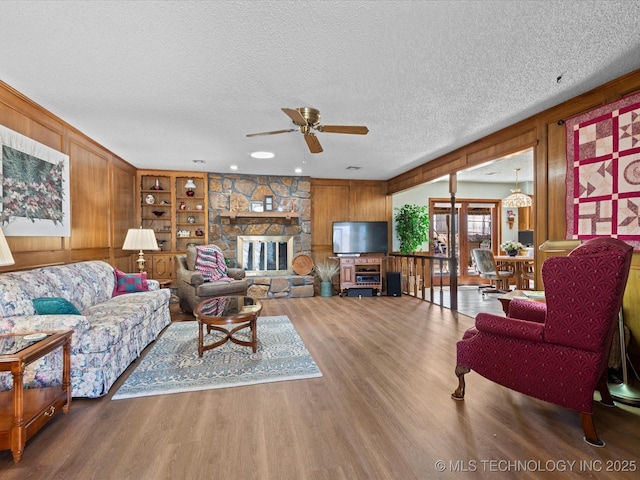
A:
x: 262, y: 155
x: 298, y: 170
x: 233, y: 167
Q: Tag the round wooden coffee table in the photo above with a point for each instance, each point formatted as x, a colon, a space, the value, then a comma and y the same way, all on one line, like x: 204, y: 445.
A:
x: 231, y: 310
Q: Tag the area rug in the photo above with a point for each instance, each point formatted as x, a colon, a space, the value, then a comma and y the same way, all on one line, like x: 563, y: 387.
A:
x: 173, y: 366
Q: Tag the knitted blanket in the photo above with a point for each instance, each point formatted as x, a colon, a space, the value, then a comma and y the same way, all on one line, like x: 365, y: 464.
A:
x: 210, y: 263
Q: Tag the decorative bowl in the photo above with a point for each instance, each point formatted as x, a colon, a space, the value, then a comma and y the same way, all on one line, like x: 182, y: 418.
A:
x: 158, y: 213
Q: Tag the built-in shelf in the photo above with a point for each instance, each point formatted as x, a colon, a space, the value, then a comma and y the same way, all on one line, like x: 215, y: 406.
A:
x: 233, y: 215
x: 168, y: 199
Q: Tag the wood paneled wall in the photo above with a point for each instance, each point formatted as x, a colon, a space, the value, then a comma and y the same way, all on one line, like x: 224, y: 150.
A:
x: 102, y: 191
x: 544, y: 132
x: 344, y: 200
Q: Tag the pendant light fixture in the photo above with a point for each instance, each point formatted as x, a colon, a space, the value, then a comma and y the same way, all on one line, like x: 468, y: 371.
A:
x: 517, y: 199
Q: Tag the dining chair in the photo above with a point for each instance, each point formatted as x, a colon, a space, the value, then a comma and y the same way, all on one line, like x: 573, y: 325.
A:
x: 486, y: 266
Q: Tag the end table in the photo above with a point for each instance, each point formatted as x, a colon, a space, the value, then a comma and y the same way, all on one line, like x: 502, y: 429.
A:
x: 25, y: 411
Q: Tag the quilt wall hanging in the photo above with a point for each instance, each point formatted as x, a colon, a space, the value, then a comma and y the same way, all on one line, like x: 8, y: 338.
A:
x: 34, y: 187
x: 603, y: 172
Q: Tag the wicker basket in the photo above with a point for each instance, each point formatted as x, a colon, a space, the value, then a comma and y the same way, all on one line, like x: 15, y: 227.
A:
x: 302, y: 264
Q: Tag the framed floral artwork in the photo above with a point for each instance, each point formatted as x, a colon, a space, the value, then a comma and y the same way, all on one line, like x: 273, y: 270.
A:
x: 34, y: 187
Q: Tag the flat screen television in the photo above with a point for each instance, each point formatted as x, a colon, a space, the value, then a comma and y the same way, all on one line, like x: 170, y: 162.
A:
x: 352, y: 238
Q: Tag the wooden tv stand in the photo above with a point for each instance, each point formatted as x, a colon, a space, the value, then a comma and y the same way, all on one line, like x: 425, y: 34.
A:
x: 361, y: 272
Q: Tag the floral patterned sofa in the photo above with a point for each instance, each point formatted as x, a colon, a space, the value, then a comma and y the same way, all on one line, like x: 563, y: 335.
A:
x: 110, y: 332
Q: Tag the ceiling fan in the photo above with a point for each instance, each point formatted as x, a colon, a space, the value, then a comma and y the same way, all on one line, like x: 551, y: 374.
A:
x: 308, y: 119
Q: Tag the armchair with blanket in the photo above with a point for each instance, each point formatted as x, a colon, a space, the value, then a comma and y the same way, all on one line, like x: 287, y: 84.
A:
x: 202, y: 273
x: 556, y: 351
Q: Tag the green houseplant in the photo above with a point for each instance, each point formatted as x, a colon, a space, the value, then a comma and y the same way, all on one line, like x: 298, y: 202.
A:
x: 326, y: 271
x: 412, y: 227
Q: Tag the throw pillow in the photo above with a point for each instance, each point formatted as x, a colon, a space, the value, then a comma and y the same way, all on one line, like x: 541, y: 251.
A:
x: 54, y: 306
x: 130, y: 282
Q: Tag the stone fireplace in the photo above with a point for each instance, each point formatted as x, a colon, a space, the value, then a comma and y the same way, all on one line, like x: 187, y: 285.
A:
x: 263, y: 243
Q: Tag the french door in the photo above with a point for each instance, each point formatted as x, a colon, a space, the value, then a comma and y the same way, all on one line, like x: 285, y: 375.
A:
x: 476, y: 226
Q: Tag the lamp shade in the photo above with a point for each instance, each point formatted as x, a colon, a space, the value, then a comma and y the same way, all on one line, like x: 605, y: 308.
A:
x: 517, y: 199
x: 190, y: 184
x: 5, y: 254
x: 140, y: 239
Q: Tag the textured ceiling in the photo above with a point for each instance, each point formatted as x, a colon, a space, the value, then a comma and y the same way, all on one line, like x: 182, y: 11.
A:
x: 163, y: 83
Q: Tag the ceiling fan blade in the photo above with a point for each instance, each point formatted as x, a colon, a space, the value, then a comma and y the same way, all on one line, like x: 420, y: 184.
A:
x: 313, y: 143
x: 353, y: 129
x: 295, y: 115
x: 273, y: 132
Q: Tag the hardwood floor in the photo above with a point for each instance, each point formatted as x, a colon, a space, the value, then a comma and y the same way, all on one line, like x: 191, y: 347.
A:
x: 470, y: 300
x: 382, y: 410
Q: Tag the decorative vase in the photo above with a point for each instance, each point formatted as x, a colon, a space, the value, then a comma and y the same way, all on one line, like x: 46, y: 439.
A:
x: 326, y: 288
x: 512, y: 253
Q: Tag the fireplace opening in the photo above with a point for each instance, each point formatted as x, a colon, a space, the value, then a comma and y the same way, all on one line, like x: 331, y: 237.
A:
x: 265, y: 254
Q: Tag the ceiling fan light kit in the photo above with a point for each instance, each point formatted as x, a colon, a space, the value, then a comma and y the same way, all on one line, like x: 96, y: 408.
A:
x: 308, y: 119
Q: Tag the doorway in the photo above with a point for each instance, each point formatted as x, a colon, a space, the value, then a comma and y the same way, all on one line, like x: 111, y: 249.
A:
x: 476, y: 226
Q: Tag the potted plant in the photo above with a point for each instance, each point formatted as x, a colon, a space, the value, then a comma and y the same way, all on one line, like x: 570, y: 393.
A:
x: 326, y: 271
x: 512, y: 248
x: 412, y: 227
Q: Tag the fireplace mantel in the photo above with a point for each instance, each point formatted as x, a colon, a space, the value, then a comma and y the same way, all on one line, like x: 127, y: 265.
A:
x: 233, y: 215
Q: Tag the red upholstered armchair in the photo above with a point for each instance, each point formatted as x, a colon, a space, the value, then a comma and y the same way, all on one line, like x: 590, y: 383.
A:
x: 555, y: 351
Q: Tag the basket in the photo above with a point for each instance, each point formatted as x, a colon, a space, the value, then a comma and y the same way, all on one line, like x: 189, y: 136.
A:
x: 302, y: 264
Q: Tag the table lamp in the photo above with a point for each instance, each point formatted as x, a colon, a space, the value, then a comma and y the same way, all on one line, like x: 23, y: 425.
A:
x: 5, y: 253
x: 140, y: 239
x: 190, y: 186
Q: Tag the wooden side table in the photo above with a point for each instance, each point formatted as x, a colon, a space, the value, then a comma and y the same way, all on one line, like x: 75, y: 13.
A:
x: 505, y: 299
x: 25, y: 411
